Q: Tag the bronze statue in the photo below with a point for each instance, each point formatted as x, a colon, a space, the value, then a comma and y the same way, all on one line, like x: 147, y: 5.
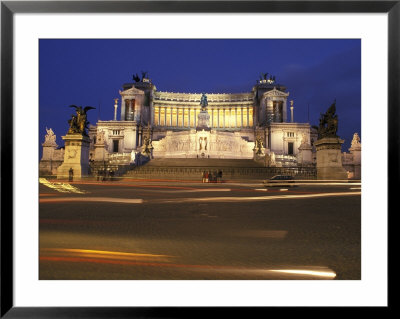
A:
x: 78, y: 123
x: 136, y: 78
x: 328, y: 123
x: 203, y: 101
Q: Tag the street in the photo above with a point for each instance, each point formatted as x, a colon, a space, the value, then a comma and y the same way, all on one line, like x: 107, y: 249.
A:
x: 144, y: 230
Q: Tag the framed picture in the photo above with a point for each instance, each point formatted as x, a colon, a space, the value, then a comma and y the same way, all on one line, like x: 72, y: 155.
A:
x: 44, y: 275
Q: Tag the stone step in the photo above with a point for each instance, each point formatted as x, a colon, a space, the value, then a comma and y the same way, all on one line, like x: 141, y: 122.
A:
x: 202, y: 162
x: 230, y: 173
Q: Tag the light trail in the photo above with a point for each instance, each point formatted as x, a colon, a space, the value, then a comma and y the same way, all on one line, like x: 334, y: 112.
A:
x: 325, y: 274
x: 89, y: 253
x: 186, y: 200
x: 195, y: 190
x: 61, y: 187
x: 92, y: 199
x: 256, y: 198
x: 133, y: 259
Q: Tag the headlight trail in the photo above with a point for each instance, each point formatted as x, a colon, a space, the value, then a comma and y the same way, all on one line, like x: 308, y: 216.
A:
x: 66, y: 255
x: 186, y: 200
x: 315, y: 273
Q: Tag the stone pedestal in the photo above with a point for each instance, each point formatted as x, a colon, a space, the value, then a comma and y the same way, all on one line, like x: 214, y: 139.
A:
x: 355, y: 150
x: 76, y: 157
x: 100, y: 153
x: 329, y: 158
x: 305, y: 154
x: 203, y: 120
x: 260, y: 156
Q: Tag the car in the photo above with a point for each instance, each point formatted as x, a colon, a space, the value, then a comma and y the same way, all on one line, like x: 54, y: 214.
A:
x: 280, y: 180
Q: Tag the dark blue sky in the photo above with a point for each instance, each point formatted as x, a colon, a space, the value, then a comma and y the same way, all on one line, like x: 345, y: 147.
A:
x: 90, y: 72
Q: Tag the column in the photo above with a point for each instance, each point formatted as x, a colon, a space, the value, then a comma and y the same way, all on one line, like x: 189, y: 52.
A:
x: 223, y: 116
x: 270, y: 110
x: 236, y: 123
x: 133, y: 109
x: 127, y: 109
x: 189, y: 117
x: 284, y: 111
x: 115, y: 109
x: 248, y: 123
x: 241, y: 116
x: 291, y: 112
x: 179, y: 115
x: 175, y: 116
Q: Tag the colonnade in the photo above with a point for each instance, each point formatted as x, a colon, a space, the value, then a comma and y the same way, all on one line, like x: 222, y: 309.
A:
x: 220, y: 117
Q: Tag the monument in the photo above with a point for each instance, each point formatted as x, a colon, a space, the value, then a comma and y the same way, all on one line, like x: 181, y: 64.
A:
x: 203, y: 119
x: 77, y: 142
x: 52, y: 156
x: 251, y: 128
x: 328, y: 146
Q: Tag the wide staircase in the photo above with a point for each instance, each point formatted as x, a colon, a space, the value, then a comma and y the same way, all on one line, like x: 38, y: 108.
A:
x: 193, y: 168
x: 202, y: 162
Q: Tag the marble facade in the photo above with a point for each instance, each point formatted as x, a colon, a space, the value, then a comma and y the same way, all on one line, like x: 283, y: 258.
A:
x: 172, y: 120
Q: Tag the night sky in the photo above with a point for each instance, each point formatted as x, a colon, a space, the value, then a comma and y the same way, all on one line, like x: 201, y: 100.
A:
x: 91, y: 72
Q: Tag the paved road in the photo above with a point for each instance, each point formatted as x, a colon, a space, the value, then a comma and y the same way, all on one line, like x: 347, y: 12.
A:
x: 186, y: 230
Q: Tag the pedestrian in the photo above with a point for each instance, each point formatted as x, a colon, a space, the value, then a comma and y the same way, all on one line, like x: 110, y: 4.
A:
x: 220, y: 175
x: 71, y: 174
x: 206, y: 177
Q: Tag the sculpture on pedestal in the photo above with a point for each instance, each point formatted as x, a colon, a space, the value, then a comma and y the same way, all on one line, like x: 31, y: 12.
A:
x: 203, y: 119
x: 328, y: 146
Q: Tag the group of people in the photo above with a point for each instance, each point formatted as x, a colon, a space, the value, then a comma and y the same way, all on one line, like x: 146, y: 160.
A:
x: 212, y: 177
x: 104, y: 175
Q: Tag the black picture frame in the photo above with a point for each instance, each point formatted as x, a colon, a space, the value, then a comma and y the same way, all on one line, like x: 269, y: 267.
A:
x: 9, y: 8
